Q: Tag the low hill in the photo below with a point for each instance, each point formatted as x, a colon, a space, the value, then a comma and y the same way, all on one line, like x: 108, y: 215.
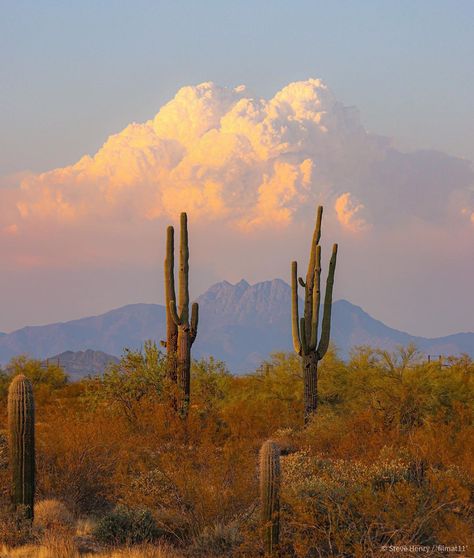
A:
x: 78, y: 364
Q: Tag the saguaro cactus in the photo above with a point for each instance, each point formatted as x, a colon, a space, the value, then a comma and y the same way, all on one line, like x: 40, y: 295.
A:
x: 270, y: 480
x: 305, y: 330
x: 180, y: 329
x: 171, y: 342
x: 21, y: 426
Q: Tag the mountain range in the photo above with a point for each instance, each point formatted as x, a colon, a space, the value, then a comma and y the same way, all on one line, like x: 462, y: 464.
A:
x: 240, y: 324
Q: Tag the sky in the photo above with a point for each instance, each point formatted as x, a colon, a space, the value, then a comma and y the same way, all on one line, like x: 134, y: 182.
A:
x: 116, y: 116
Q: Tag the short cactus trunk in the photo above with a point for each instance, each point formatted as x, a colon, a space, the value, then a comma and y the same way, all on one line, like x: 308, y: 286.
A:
x: 270, y: 480
x: 21, y: 426
x: 310, y: 378
x: 184, y: 367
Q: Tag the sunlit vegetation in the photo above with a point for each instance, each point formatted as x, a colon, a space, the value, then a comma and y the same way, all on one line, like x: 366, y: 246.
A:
x: 386, y: 460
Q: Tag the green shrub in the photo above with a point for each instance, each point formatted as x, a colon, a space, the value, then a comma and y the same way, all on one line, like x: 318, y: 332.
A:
x: 126, y: 526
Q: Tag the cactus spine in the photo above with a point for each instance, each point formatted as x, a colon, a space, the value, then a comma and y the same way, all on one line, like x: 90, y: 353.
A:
x: 305, y: 330
x: 270, y: 480
x: 21, y: 426
x: 181, y: 330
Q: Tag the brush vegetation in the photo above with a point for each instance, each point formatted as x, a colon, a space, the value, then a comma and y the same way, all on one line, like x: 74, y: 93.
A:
x: 386, y: 460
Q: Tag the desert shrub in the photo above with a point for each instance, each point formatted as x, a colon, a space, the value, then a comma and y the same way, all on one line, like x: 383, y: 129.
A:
x: 41, y: 374
x: 211, y: 382
x: 156, y: 489
x: 15, y: 529
x: 137, y: 376
x: 53, y: 514
x: 216, y: 540
x: 142, y: 551
x: 387, y: 456
x: 76, y: 460
x: 215, y: 484
x: 346, y: 507
x: 125, y: 525
x: 4, y: 382
x: 3, y: 450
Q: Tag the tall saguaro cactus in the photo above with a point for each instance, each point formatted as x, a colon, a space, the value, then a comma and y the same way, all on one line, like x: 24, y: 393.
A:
x: 171, y: 342
x: 21, y: 427
x: 181, y: 328
x: 305, y: 330
x: 270, y: 481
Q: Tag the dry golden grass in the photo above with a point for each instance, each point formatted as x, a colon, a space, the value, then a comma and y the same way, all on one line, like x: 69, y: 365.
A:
x: 63, y: 549
x: 53, y: 514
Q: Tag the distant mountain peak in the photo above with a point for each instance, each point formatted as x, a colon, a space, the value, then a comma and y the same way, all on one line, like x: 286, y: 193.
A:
x: 239, y: 323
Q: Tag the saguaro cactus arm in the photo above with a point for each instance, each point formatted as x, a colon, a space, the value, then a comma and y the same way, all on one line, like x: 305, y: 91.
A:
x: 326, y: 325
x: 194, y: 321
x: 170, y: 295
x: 310, y: 277
x: 304, y: 344
x: 171, y: 342
x: 169, y: 265
x: 315, y: 241
x: 294, y: 309
x: 184, y: 271
x: 174, y: 313
x: 316, y: 300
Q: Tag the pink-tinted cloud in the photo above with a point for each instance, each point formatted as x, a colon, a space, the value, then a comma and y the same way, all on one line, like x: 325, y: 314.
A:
x: 349, y: 213
x: 214, y: 151
x: 221, y: 154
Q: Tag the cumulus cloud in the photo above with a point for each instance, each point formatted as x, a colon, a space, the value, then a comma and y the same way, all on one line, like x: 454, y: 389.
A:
x: 225, y: 156
x: 348, y: 211
x: 214, y: 151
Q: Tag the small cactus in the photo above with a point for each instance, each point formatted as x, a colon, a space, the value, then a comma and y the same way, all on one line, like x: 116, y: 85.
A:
x: 21, y: 426
x: 270, y: 479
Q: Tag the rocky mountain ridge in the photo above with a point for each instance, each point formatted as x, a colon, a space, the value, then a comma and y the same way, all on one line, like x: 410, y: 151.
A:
x: 240, y: 324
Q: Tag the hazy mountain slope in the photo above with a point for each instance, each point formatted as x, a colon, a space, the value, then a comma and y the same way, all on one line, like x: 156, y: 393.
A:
x: 123, y: 327
x: 241, y: 324
x: 83, y: 363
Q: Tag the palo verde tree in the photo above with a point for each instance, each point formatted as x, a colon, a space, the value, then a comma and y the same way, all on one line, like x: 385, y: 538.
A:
x: 181, y: 328
x: 305, y: 330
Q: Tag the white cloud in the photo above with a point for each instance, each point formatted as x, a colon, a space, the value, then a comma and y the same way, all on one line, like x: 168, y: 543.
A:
x: 214, y: 151
x: 244, y: 163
